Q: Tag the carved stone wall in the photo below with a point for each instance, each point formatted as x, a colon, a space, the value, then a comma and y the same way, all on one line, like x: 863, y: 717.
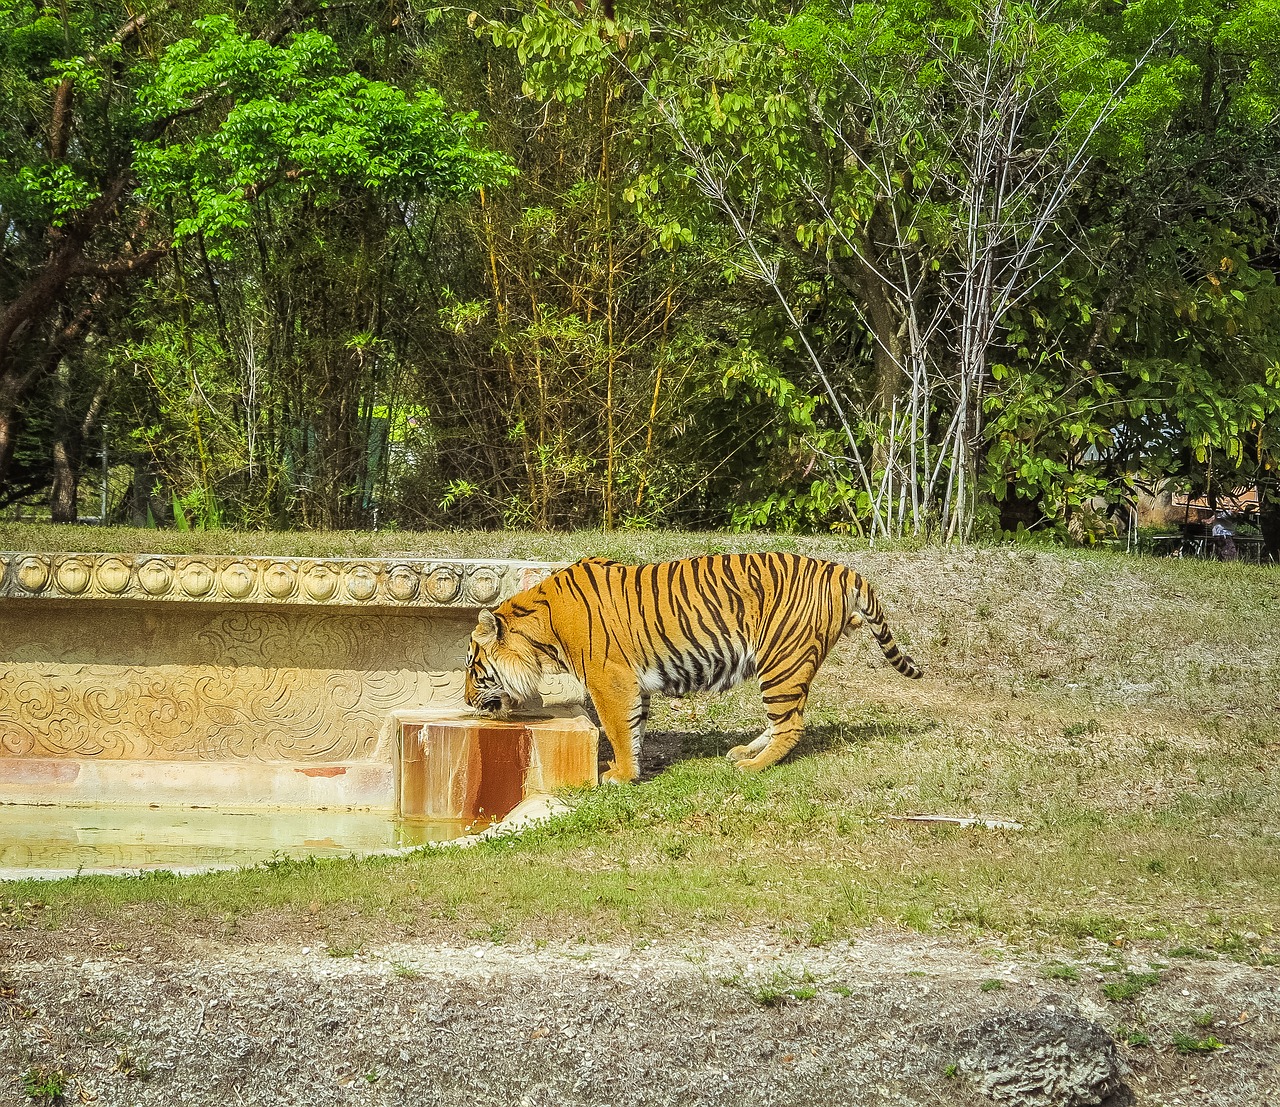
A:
x: 182, y: 661
x: 199, y: 683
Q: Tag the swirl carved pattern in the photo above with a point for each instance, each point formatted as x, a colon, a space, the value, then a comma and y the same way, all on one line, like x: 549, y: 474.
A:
x: 182, y: 682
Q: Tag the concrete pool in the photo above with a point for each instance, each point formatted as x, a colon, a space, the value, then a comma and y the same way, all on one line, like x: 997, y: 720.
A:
x: 189, y: 711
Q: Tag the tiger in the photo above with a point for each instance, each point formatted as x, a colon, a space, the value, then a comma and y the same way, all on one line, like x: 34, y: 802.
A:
x: 701, y: 624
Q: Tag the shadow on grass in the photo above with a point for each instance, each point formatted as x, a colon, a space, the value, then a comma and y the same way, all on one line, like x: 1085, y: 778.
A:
x: 664, y: 748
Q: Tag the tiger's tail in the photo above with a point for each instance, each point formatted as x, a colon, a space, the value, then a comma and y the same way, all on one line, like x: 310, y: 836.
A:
x: 867, y: 602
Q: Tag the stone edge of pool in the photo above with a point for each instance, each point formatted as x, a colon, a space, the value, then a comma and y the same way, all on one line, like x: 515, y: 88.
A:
x: 371, y: 582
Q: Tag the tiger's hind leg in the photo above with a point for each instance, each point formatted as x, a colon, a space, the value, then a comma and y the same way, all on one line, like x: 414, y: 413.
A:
x: 742, y: 753
x: 785, y: 689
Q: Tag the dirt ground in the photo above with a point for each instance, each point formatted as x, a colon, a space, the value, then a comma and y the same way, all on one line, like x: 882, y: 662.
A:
x: 161, y: 1019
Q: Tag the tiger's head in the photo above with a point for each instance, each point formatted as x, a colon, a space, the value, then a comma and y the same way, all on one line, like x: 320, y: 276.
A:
x: 503, y: 666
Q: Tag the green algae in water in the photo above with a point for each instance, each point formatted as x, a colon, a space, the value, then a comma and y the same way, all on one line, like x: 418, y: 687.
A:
x: 129, y: 838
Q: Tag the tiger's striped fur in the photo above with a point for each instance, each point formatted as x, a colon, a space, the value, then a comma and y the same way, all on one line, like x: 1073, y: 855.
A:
x: 702, y: 624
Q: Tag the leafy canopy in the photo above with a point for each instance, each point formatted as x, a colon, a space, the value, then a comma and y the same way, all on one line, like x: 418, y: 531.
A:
x: 291, y: 115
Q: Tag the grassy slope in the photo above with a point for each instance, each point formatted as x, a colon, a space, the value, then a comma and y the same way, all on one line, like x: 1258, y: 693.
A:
x: 1124, y: 710
x: 536, y: 545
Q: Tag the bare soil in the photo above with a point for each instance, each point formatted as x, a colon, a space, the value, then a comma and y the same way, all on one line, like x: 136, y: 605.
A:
x: 874, y: 1021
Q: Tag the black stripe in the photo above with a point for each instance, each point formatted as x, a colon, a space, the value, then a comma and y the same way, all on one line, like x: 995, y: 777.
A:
x: 680, y: 609
x: 572, y: 584
x: 713, y: 640
x: 713, y: 590
x: 547, y: 650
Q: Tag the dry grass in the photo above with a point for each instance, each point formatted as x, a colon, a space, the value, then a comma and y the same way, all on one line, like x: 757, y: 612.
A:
x: 1123, y: 710
x: 637, y: 545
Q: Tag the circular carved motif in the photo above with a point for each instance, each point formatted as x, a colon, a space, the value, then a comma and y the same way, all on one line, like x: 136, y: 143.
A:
x: 320, y: 582
x: 402, y: 583
x: 483, y: 586
x: 33, y: 573
x: 155, y: 576
x: 237, y: 581
x: 113, y: 576
x: 444, y: 584
x: 531, y: 577
x: 197, y: 579
x: 279, y: 580
x: 362, y: 582
x: 72, y: 576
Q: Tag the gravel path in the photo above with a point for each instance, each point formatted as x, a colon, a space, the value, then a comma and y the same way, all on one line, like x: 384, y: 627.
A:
x: 869, y: 1022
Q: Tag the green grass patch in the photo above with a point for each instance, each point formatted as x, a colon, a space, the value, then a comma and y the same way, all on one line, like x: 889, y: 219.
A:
x: 45, y: 1085
x: 1130, y: 985
x: 807, y: 848
x: 1133, y: 1036
x: 781, y: 988
x: 634, y: 545
x: 1068, y: 973
x: 132, y: 1065
x: 1189, y: 1043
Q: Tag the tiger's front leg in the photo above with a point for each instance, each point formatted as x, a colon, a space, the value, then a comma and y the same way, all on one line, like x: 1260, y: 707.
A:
x: 623, y: 711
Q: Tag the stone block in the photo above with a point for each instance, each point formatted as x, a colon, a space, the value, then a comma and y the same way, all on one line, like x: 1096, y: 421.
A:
x: 470, y: 768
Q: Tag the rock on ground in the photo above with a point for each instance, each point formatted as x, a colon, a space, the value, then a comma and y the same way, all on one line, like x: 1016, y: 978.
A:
x: 1046, y: 1057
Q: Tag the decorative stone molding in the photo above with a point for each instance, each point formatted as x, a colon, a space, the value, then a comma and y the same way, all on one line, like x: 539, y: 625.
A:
x: 296, y: 581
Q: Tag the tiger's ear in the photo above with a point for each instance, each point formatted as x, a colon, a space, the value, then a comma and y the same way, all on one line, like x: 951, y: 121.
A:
x: 490, y: 628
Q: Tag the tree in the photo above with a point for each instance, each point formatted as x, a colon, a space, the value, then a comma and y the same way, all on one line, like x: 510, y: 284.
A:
x: 913, y: 161
x: 929, y: 268
x: 124, y: 153
x: 1153, y: 351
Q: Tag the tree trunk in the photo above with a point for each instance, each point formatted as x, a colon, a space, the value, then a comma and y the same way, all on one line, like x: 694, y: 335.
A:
x: 8, y: 439
x: 886, y: 318
x: 66, y: 450
x: 66, y: 482
x: 1269, y: 517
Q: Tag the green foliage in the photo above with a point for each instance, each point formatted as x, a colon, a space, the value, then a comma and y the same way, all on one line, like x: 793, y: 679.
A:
x: 435, y: 267
x: 1131, y: 985
x: 291, y: 114
x: 50, y: 193
x: 45, y: 1085
x: 1068, y: 973
x: 782, y: 988
x: 1188, y: 1043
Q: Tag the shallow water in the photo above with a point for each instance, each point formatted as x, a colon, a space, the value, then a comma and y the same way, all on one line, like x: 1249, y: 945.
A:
x: 131, y: 838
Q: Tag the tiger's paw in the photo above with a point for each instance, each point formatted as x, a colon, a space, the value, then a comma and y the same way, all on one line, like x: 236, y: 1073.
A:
x: 614, y: 775
x: 739, y: 753
x: 753, y: 764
